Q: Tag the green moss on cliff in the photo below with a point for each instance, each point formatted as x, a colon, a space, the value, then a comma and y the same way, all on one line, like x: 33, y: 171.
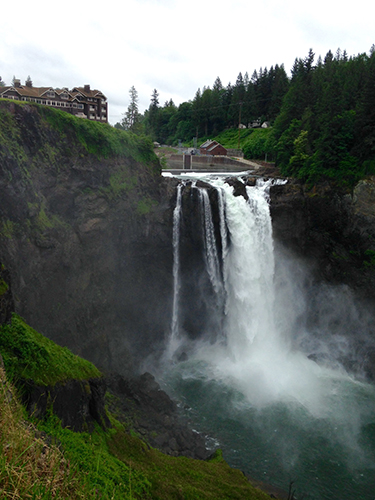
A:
x: 102, y: 140
x: 120, y: 182
x: 29, y: 355
x: 75, y: 137
x: 8, y: 228
x: 145, y: 206
x: 10, y: 136
x: 3, y: 287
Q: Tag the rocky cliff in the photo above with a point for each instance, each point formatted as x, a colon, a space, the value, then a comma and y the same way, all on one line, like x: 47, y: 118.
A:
x: 330, y: 234
x: 332, y: 228
x: 85, y: 234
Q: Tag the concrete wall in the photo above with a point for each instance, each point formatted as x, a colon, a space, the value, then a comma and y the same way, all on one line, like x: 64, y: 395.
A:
x: 198, y: 161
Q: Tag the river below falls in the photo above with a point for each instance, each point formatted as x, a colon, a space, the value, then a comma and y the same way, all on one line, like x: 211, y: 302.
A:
x: 328, y: 457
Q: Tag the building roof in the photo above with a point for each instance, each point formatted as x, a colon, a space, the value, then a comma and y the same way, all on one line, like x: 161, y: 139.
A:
x: 30, y: 91
x: 87, y: 92
x: 208, y: 143
x: 25, y: 90
x: 211, y: 148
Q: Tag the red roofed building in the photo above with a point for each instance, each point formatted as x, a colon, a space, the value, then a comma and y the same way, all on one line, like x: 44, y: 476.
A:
x: 212, y: 148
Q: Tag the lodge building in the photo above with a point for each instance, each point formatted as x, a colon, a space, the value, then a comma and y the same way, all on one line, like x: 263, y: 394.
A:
x: 80, y: 101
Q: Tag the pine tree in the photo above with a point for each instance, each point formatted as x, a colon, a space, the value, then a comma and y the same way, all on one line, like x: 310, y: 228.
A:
x: 132, y: 115
x: 153, y: 114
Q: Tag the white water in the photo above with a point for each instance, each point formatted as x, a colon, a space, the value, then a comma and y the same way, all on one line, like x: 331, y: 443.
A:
x: 211, y: 256
x: 260, y: 360
x: 174, y: 336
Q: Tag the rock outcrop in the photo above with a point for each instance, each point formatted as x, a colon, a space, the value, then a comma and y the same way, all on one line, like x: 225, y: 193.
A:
x: 331, y: 228
x: 333, y: 232
x: 85, y: 238
x: 146, y: 409
x: 79, y: 404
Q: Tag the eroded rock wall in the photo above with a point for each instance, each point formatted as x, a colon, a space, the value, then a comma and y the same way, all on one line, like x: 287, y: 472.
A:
x: 333, y: 229
x: 86, y: 240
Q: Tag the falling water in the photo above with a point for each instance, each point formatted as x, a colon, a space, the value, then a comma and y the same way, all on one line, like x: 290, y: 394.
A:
x: 277, y: 414
x: 176, y: 270
x: 211, y: 255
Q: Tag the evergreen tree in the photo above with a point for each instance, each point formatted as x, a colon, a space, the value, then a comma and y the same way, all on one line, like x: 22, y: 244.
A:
x: 166, y: 132
x: 153, y: 115
x: 132, y: 117
x: 197, y: 113
x: 365, y: 146
x: 206, y: 110
x: 217, y: 107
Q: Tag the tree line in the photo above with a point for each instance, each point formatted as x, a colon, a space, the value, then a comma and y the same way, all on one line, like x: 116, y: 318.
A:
x: 212, y: 109
x: 322, y: 115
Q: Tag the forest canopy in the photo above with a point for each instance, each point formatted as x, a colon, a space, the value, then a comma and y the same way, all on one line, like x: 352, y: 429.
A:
x: 321, y: 116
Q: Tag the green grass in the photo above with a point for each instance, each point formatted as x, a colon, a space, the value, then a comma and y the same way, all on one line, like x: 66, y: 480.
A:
x: 29, y: 355
x: 181, y: 477
x: 111, y: 464
x: 229, y: 138
x: 255, y: 143
x: 100, y: 139
x: 120, y: 182
x: 29, y: 467
x: 102, y: 474
x: 117, y: 465
x: 145, y: 205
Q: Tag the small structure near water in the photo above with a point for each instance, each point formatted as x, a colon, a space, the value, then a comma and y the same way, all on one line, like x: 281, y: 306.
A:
x: 212, y: 148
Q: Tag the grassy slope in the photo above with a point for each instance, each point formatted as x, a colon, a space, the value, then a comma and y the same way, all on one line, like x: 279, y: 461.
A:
x: 29, y: 355
x: 111, y: 464
x: 253, y: 142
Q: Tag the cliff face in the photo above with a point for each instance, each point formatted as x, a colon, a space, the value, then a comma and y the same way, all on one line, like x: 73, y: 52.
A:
x: 86, y: 239
x: 332, y: 229
x: 333, y: 232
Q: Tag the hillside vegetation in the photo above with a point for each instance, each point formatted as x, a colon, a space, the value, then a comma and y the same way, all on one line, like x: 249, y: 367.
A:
x: 322, y: 116
x: 41, y: 460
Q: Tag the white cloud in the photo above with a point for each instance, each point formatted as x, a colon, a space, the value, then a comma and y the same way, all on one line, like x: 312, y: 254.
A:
x: 171, y: 45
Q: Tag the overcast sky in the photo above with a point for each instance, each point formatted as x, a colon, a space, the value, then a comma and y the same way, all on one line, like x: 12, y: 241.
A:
x: 174, y: 46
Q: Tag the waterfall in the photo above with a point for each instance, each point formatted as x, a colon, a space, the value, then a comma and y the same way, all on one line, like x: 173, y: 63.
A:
x: 211, y: 255
x: 176, y: 270
x: 249, y: 267
x: 277, y: 413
